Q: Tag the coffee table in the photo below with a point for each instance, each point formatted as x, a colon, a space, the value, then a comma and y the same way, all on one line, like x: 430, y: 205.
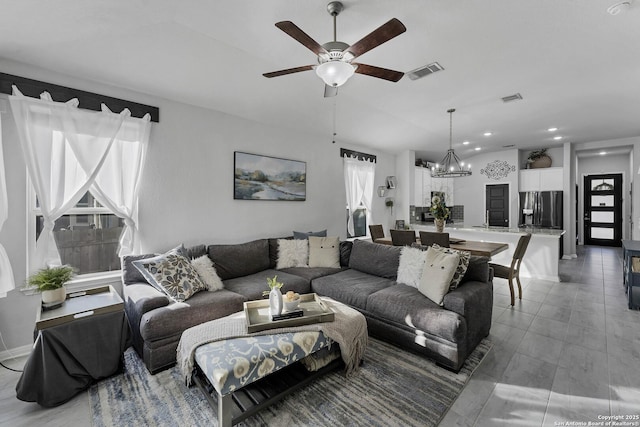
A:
x: 239, y: 376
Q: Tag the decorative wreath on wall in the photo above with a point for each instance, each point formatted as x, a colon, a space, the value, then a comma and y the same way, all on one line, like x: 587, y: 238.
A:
x: 498, y: 169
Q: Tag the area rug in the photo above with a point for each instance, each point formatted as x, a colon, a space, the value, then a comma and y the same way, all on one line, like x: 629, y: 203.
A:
x: 393, y: 388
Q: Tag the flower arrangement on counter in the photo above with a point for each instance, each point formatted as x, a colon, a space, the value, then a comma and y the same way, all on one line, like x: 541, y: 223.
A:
x: 439, y: 209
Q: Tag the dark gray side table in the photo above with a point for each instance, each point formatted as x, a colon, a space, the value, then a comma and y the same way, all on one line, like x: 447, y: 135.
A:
x: 75, y: 345
x: 631, y: 276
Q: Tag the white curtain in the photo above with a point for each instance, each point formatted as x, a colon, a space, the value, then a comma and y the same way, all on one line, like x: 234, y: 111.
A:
x: 359, y: 176
x: 65, y: 149
x: 118, y: 181
x: 6, y: 273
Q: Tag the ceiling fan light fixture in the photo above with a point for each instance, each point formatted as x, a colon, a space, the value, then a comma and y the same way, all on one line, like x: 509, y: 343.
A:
x: 335, y: 73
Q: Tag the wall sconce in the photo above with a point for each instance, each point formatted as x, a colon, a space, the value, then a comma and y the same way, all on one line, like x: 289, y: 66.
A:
x: 391, y: 182
x: 382, y: 191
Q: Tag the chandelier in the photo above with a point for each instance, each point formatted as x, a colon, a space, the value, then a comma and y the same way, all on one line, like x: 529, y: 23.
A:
x: 451, y: 166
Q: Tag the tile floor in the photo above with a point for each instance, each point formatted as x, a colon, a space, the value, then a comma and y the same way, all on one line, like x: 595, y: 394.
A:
x: 567, y: 352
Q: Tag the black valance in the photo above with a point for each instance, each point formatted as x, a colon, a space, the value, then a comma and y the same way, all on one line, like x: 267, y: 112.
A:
x: 358, y: 155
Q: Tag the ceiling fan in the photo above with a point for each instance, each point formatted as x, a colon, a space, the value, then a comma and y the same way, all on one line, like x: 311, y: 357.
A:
x: 334, y: 57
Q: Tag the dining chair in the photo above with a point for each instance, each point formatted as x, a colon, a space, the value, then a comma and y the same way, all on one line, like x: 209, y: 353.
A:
x: 428, y: 238
x: 376, y: 231
x: 403, y: 237
x: 513, y: 271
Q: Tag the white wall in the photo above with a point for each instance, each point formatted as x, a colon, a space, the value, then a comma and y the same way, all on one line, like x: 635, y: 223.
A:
x: 470, y: 191
x: 187, y: 188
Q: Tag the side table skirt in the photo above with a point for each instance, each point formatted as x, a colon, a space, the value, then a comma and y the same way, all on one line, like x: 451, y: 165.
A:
x: 66, y: 359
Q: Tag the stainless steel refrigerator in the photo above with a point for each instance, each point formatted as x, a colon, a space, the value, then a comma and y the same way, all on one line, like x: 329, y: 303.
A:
x: 541, y: 209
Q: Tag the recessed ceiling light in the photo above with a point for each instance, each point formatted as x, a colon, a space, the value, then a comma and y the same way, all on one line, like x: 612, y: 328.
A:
x: 488, y: 133
x: 477, y: 148
x: 602, y: 153
x: 552, y: 129
x: 557, y: 137
x: 465, y: 142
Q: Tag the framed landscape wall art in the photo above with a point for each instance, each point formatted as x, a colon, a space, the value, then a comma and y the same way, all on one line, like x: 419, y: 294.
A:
x: 258, y: 177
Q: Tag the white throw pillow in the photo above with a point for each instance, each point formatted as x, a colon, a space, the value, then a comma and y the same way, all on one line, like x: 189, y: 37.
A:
x: 465, y: 258
x: 292, y: 253
x: 438, y: 271
x: 207, y: 272
x: 324, y: 252
x: 411, y: 266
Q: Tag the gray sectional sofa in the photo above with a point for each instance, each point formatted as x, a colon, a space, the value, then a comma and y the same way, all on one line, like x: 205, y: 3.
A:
x: 365, y: 281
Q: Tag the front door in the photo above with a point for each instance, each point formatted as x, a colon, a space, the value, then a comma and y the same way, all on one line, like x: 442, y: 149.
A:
x: 497, y: 202
x: 603, y: 209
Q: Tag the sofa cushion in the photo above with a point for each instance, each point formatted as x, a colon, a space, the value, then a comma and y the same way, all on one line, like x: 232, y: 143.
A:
x: 194, y: 252
x: 406, y: 305
x: 351, y: 287
x: 252, y: 286
x: 478, y: 269
x: 345, y: 253
x: 239, y: 260
x: 310, y: 273
x: 172, y: 320
x: 439, y: 268
x: 130, y: 274
x: 301, y: 235
x: 374, y: 258
x: 207, y: 272
x: 410, y: 266
x: 172, y: 273
x: 324, y: 252
x: 292, y: 253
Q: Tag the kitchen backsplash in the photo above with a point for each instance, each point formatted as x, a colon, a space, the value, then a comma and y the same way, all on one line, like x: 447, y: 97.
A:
x: 457, y: 213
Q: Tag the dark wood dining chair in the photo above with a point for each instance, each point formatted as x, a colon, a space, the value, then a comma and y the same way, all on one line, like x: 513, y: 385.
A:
x: 376, y: 231
x: 428, y: 238
x: 513, y: 271
x: 403, y: 237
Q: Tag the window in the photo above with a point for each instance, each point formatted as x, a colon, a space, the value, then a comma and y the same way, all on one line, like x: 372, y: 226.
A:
x: 87, y: 236
x: 359, y: 222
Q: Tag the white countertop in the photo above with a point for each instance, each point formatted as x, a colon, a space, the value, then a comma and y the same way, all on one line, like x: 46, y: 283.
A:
x: 519, y: 230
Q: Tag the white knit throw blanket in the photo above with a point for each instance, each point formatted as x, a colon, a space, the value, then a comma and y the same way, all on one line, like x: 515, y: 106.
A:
x: 349, y: 330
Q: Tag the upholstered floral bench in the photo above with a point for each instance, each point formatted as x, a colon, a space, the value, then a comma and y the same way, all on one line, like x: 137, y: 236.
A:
x: 242, y: 373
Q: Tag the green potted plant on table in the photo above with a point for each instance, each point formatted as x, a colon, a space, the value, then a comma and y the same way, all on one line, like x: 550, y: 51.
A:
x: 275, y: 296
x: 51, y: 283
x: 440, y: 212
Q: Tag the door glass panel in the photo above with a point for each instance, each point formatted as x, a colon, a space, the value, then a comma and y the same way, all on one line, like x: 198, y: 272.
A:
x: 601, y: 233
x: 604, y: 185
x: 602, y: 200
x: 602, y: 217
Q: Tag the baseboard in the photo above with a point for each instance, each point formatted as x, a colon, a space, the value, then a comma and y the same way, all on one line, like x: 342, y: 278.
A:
x: 16, y: 352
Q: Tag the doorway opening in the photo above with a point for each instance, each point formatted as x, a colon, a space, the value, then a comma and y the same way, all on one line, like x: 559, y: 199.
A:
x: 497, y: 204
x: 603, y: 210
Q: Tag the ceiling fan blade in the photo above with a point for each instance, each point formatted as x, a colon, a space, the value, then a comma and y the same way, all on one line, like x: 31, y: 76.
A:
x: 288, y: 71
x: 330, y: 91
x: 382, y: 34
x: 381, y: 73
x: 294, y: 31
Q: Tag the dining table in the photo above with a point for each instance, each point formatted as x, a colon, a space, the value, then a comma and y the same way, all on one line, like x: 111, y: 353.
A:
x: 488, y: 249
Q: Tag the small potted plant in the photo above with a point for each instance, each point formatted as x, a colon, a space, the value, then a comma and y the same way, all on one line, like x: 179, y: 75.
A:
x: 51, y: 282
x: 538, y: 159
x: 440, y: 212
x: 389, y: 203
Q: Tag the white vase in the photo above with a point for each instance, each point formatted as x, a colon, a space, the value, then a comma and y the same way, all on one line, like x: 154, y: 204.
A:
x: 54, y: 296
x: 275, y: 302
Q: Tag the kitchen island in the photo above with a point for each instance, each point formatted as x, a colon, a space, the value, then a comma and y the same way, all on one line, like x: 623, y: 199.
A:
x: 540, y: 260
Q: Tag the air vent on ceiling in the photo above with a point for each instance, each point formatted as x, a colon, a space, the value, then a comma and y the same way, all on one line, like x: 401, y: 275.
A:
x: 513, y: 97
x: 509, y: 146
x: 421, y: 72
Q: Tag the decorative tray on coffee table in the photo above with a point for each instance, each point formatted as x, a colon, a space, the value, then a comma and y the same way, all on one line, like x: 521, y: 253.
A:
x: 314, y: 310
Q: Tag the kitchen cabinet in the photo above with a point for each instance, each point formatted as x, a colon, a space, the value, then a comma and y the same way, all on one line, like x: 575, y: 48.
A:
x: 422, y: 187
x: 543, y: 179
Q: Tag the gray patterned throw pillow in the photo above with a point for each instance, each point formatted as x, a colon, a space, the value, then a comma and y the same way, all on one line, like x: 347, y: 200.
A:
x: 173, y: 274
